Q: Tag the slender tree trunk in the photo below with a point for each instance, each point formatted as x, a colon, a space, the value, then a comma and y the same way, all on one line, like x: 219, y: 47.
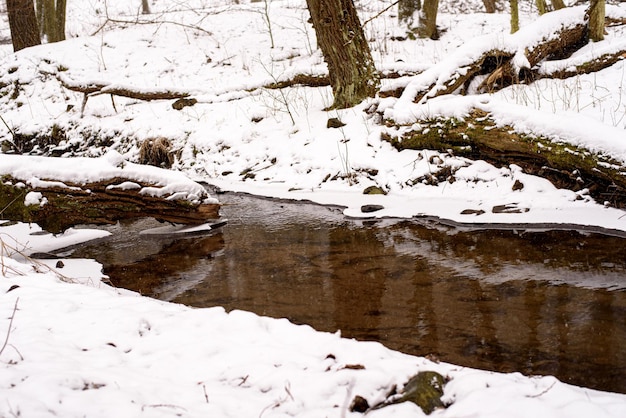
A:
x: 145, y: 7
x: 39, y: 8
x: 23, y: 24
x: 514, y: 16
x: 351, y: 69
x: 60, y: 19
x: 596, y: 14
x: 428, y: 20
x: 558, y: 4
x: 490, y: 6
x: 52, y: 18
x: 541, y: 6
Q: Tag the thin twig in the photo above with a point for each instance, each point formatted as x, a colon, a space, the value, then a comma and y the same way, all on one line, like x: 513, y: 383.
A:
x: 543, y: 392
x: 6, y: 340
x: 7, y: 125
x: 380, y: 13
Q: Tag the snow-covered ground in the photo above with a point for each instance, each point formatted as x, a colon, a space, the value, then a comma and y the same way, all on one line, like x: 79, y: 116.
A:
x: 275, y: 142
x: 75, y: 349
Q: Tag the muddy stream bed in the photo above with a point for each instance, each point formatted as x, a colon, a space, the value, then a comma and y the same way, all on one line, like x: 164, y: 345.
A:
x: 537, y: 302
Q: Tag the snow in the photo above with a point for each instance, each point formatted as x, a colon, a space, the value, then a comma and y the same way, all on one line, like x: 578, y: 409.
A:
x: 77, y: 350
x: 34, y: 198
x: 77, y: 347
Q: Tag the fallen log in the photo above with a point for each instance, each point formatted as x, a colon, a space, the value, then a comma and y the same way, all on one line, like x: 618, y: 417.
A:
x: 591, y: 65
x: 95, y: 88
x: 515, y: 59
x: 183, y: 97
x: 478, y: 137
x: 108, y: 194
x: 559, y: 45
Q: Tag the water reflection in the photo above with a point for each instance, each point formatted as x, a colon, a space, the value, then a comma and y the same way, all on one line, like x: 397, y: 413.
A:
x: 539, y: 303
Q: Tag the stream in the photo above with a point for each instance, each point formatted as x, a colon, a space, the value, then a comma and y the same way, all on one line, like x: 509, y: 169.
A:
x: 537, y: 302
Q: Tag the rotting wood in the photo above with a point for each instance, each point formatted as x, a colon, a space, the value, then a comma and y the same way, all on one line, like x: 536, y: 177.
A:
x: 97, y: 203
x: 560, y: 46
x: 478, y: 137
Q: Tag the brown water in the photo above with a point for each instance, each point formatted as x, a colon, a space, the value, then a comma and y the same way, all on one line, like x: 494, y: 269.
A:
x: 535, y: 302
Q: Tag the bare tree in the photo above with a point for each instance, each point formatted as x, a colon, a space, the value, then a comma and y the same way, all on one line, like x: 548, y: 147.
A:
x: 558, y: 4
x: 145, y: 7
x: 23, y: 24
x: 353, y: 76
x: 51, y: 15
x: 596, y: 14
x: 427, y: 27
x: 514, y: 16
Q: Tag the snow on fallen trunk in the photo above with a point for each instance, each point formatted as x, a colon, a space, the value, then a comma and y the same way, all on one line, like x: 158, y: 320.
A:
x: 507, y: 55
x: 62, y: 192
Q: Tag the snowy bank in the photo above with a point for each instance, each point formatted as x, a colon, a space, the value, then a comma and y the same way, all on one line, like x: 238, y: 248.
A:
x: 77, y: 350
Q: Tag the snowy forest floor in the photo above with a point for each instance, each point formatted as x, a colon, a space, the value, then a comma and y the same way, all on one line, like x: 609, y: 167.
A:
x: 75, y: 350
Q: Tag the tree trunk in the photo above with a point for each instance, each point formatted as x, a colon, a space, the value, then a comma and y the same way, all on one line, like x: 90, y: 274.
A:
x: 596, y: 14
x: 53, y: 19
x: 558, y: 4
x: 406, y: 11
x: 145, y: 7
x: 490, y: 6
x: 340, y: 36
x: 23, y: 24
x: 428, y: 20
x: 60, y: 19
x: 514, y: 16
x: 541, y: 6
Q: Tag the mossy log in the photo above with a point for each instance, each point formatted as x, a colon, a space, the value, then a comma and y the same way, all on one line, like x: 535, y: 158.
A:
x: 62, y: 205
x: 478, y: 137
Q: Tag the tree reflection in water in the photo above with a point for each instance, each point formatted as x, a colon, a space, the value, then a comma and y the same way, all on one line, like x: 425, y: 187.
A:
x: 536, y: 302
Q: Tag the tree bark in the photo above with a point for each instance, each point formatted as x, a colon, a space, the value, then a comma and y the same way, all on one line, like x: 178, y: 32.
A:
x: 23, y: 24
x: 52, y: 18
x: 428, y: 20
x: 340, y: 37
x: 596, y: 14
x: 490, y: 6
x: 558, y: 4
x: 541, y: 6
x: 145, y: 7
x: 514, y: 16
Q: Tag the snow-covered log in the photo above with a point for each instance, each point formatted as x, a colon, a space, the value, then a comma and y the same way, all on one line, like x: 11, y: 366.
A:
x: 479, y: 137
x: 58, y: 193
x: 499, y: 62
